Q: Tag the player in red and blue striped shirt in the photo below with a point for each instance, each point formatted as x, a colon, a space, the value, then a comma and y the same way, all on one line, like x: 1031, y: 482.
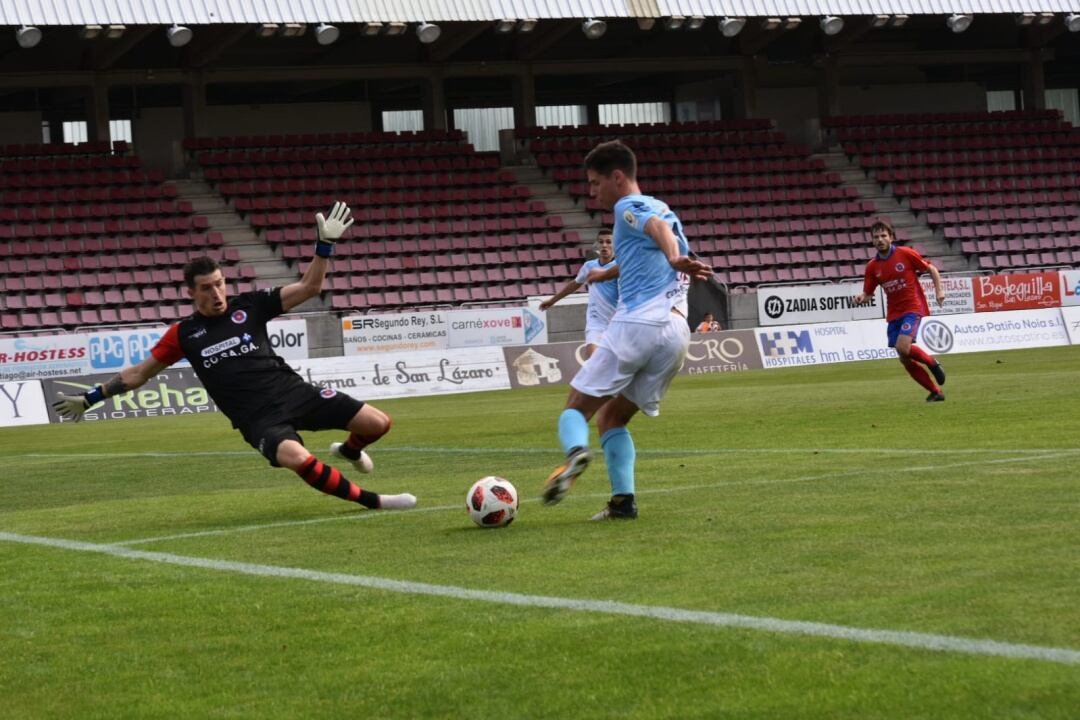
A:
x: 896, y: 270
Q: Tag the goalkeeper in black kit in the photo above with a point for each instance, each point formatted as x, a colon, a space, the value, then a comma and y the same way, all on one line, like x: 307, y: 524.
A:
x: 266, y: 400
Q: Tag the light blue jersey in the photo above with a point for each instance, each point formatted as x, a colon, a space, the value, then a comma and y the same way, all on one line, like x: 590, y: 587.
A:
x: 603, y: 296
x: 648, y: 286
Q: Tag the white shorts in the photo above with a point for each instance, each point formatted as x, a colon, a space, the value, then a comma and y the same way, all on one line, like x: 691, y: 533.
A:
x: 593, y: 334
x: 596, y: 322
x: 636, y: 361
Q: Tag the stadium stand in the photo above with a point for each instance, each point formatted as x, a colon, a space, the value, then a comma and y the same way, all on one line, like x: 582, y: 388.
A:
x: 757, y: 207
x: 87, y: 237
x: 1000, y: 187
x: 436, y: 221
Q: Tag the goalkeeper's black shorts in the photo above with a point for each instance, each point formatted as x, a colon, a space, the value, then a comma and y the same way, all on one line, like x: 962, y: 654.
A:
x: 304, y: 407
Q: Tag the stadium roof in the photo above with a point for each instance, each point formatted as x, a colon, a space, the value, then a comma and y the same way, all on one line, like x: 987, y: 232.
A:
x: 253, y: 51
x: 223, y: 12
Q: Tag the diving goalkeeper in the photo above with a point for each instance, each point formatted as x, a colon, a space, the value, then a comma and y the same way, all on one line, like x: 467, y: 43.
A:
x: 266, y: 400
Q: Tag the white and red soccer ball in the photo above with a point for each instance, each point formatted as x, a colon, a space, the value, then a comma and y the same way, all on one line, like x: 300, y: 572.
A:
x: 492, y: 502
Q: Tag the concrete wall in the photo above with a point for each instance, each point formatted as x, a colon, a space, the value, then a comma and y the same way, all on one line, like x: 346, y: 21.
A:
x: 566, y: 322
x: 156, y: 134
x: 937, y: 97
x: 20, y: 127
x: 742, y: 311
x: 795, y: 110
x: 290, y: 118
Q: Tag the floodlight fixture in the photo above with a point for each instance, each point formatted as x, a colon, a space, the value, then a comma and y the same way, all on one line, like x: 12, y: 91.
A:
x: 371, y: 29
x: 115, y: 32
x: 791, y: 23
x: 395, y: 28
x: 1025, y: 19
x: 831, y: 24
x: 293, y: 29
x: 527, y: 25
x: 732, y: 26
x: 899, y: 20
x: 959, y: 22
x: 879, y: 21
x: 178, y: 35
x: 675, y: 22
x: 695, y: 22
x: 326, y: 34
x: 89, y: 32
x: 770, y: 23
x: 1072, y: 22
x: 428, y: 32
x: 645, y: 23
x: 28, y: 36
x: 1045, y: 18
x: 505, y: 26
x: 267, y: 30
x: 593, y: 28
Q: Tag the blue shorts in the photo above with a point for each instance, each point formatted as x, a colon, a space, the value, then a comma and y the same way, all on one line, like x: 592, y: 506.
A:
x: 904, y: 325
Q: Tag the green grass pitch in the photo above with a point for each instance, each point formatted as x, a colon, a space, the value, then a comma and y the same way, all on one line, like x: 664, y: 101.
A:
x: 829, y: 495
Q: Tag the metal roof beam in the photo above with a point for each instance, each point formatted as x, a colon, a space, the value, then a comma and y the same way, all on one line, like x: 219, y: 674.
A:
x: 944, y: 57
x: 204, y: 51
x: 109, y: 53
x: 459, y: 37
x: 167, y: 76
x: 544, y: 37
x: 854, y: 29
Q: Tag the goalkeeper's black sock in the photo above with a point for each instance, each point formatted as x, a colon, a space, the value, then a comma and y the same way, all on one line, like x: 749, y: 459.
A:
x: 355, y: 443
x: 328, y: 479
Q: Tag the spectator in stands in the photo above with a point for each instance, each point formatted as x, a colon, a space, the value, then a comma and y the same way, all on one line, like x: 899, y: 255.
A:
x: 897, y: 269
x: 646, y: 341
x: 265, y: 399
x: 603, y: 294
x: 708, y: 324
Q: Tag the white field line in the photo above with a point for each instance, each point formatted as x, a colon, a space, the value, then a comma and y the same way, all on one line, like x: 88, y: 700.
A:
x: 921, y: 641
x: 554, y: 453
x: 652, y: 491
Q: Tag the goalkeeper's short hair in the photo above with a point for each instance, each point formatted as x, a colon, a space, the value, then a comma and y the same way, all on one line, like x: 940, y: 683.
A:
x: 202, y: 265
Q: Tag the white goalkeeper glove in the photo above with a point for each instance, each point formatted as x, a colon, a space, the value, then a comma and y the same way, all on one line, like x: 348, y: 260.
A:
x: 332, y: 228
x: 72, y: 407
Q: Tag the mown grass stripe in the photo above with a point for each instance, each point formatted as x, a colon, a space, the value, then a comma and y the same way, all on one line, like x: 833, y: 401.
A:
x: 921, y: 641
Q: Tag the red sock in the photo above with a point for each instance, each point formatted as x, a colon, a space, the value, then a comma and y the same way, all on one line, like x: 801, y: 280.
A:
x: 921, y: 376
x: 355, y: 443
x: 328, y: 479
x: 919, y: 355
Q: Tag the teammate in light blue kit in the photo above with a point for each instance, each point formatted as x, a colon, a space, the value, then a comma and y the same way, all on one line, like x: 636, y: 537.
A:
x: 646, y: 341
x: 603, y: 295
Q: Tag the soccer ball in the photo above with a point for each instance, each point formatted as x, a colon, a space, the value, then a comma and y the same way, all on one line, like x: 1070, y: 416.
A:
x: 492, y: 502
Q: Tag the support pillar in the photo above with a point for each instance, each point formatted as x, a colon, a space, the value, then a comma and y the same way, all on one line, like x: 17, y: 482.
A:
x: 829, y: 88
x: 525, y: 100
x: 194, y: 98
x: 97, y: 110
x: 1034, y: 76
x: 434, y: 98
x: 746, y: 89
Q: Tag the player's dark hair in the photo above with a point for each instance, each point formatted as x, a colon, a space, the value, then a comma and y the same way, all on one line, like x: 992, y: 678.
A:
x: 201, y: 265
x: 883, y: 224
x: 607, y: 157
x: 604, y: 231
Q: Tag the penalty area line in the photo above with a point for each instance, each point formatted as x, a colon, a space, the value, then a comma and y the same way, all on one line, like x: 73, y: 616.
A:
x: 915, y: 640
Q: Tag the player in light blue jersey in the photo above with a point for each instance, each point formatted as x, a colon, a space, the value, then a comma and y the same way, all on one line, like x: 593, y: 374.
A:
x: 646, y: 341
x: 603, y: 295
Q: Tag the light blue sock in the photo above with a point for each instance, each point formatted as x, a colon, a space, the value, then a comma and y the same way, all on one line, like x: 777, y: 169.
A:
x: 620, y: 455
x: 573, y: 430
